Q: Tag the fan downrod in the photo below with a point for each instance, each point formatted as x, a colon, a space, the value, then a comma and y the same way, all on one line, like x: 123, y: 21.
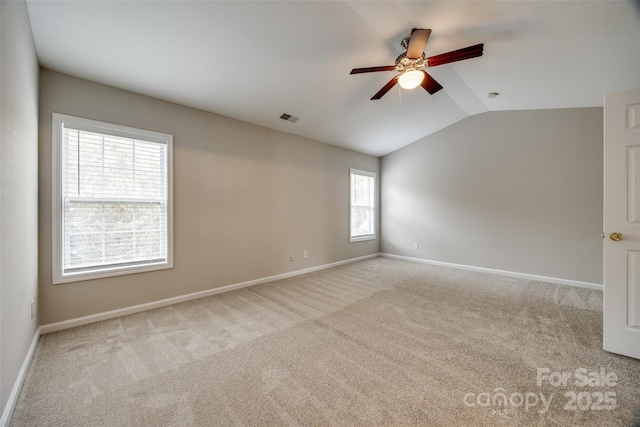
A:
x: 405, y: 43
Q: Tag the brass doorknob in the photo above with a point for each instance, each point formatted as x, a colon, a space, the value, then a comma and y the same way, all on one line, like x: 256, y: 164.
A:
x: 616, y: 236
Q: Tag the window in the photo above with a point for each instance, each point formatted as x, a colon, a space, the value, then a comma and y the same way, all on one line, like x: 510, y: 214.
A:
x: 362, y: 206
x: 112, y: 207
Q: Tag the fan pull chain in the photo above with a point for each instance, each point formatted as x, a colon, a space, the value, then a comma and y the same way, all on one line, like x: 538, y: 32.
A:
x: 400, y: 94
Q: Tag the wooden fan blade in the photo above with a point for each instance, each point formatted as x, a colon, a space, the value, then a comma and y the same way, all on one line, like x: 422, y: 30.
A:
x: 456, y: 55
x: 430, y: 84
x: 417, y: 43
x: 386, y: 88
x: 373, y: 69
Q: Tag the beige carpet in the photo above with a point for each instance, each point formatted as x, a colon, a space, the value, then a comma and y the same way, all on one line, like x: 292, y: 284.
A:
x: 379, y: 342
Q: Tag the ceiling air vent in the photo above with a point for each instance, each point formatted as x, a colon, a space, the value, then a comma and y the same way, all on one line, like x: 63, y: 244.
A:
x: 289, y: 118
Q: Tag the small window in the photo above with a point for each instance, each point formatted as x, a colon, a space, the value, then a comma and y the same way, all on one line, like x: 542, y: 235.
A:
x: 362, y: 206
x: 112, y: 199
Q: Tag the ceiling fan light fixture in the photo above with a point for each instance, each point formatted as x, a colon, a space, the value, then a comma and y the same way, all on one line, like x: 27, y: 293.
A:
x: 411, y: 79
x: 411, y: 65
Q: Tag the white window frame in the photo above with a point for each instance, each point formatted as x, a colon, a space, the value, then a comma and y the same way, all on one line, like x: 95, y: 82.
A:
x: 58, y: 121
x: 373, y: 175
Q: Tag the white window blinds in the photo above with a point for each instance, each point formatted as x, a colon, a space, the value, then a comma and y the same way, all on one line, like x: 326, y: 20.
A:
x: 114, y: 198
x: 362, y: 206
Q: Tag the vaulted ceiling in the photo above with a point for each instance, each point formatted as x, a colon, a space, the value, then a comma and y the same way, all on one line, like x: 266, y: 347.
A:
x: 254, y: 61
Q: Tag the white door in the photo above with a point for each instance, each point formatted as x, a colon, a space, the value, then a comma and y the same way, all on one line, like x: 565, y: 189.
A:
x: 622, y: 223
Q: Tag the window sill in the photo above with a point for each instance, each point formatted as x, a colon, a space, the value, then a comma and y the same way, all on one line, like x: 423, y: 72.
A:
x: 361, y: 238
x: 109, y: 272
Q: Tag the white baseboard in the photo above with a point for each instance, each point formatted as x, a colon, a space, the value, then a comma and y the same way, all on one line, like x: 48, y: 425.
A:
x: 537, y: 278
x: 72, y: 323
x: 66, y: 324
x: 15, y: 391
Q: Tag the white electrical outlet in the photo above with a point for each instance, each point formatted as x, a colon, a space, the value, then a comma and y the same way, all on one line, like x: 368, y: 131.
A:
x: 33, y: 309
x: 415, y: 246
x: 305, y: 254
x: 291, y: 257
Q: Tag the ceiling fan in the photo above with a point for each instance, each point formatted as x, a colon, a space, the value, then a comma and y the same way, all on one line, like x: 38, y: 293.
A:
x: 411, y: 63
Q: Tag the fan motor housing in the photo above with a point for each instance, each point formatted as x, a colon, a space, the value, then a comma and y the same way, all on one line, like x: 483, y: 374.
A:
x: 404, y: 64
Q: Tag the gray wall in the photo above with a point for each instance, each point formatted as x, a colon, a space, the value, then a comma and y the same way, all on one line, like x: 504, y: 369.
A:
x: 519, y: 191
x: 244, y: 198
x: 18, y: 191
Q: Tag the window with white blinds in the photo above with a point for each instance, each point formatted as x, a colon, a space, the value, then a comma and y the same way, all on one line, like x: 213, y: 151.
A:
x: 112, y: 199
x: 362, y: 206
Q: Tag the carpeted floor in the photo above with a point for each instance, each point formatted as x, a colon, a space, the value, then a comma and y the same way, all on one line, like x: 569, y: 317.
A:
x: 378, y: 342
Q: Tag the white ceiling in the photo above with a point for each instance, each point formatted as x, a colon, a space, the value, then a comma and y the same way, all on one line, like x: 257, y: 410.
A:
x: 254, y: 61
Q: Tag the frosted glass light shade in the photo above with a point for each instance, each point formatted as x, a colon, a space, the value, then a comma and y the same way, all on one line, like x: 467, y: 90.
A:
x: 411, y: 79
